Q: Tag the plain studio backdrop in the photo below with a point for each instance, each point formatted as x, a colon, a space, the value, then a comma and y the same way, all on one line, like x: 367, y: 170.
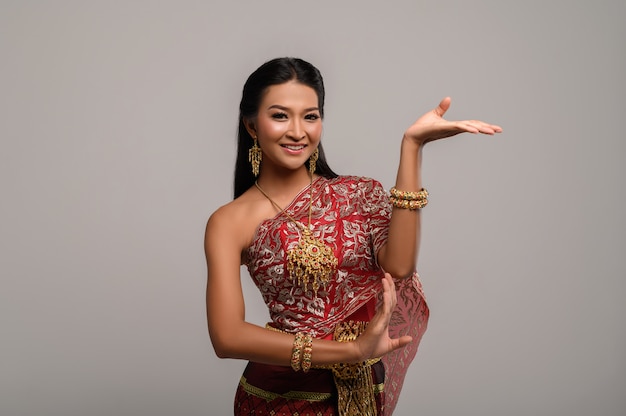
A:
x: 117, y: 126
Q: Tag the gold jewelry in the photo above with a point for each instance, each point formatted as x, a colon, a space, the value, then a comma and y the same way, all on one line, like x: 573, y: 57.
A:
x: 311, y: 261
x: 408, y: 200
x: 313, y: 160
x: 296, y: 351
x: 355, y: 388
x: 408, y: 203
x: 307, y: 350
x: 409, y: 196
x: 254, y: 157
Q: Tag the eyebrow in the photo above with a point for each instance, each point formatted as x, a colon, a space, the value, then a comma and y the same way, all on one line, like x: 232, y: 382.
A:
x: 280, y: 107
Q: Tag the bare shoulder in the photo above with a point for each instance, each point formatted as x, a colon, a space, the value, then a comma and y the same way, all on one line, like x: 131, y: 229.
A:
x: 235, y: 222
x: 225, y: 222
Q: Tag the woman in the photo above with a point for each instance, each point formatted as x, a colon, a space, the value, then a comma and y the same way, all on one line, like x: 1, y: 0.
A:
x: 333, y: 256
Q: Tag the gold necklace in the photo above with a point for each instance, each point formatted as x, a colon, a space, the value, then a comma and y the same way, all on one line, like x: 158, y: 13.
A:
x: 311, y: 261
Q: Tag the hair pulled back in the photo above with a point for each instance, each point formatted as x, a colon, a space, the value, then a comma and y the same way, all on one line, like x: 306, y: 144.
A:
x: 274, y: 72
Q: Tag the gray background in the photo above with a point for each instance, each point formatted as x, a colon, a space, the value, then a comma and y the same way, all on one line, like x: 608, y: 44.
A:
x: 118, y: 120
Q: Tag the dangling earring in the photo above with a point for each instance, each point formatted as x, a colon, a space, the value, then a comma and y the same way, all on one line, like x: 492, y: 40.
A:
x: 313, y: 160
x: 254, y: 157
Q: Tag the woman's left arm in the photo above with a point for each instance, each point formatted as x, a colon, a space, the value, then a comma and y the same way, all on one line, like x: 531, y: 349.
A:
x: 399, y: 255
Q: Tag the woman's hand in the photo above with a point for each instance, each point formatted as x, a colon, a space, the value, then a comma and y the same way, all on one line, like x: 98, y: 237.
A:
x: 375, y: 341
x: 432, y: 126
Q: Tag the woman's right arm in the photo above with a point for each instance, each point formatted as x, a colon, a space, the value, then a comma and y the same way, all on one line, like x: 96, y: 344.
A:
x: 233, y: 337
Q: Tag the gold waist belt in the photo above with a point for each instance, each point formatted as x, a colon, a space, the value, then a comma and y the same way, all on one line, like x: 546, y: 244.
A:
x: 354, y: 383
x: 355, y: 388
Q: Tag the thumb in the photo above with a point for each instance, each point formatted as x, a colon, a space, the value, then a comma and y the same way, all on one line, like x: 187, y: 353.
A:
x: 400, y: 342
x: 443, y: 106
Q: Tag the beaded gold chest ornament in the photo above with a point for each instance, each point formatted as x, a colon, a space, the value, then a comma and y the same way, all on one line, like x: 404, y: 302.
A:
x: 311, y: 261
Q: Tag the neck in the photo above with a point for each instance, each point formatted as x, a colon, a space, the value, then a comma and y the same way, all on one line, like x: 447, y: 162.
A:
x: 279, y: 184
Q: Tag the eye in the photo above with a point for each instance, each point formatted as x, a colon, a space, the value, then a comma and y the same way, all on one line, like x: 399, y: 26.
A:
x: 312, y: 116
x: 279, y: 115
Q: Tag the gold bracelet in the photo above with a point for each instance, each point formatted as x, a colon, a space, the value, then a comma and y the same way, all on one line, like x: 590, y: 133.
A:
x: 307, y: 350
x: 296, y: 352
x: 409, y: 196
x: 408, y: 204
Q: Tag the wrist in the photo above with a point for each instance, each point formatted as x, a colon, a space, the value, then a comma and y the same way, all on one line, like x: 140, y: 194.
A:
x: 355, y: 353
x: 410, y: 144
x: 411, y: 152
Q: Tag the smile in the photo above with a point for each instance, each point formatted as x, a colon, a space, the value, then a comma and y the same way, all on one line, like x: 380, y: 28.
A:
x: 293, y: 147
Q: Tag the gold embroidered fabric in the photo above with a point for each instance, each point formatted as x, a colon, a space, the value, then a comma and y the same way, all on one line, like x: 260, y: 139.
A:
x: 355, y: 389
x: 351, y: 214
x: 295, y: 395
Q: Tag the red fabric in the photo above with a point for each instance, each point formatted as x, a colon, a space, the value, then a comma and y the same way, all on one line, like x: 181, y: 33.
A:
x: 364, y: 314
x: 351, y: 215
x: 283, y: 381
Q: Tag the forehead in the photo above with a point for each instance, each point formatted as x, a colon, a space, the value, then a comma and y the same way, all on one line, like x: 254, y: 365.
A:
x: 290, y: 94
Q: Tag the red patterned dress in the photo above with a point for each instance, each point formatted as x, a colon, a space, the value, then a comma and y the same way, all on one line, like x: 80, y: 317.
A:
x: 351, y: 215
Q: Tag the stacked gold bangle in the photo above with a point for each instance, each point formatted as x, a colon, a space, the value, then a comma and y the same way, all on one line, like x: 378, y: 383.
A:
x: 307, y: 350
x: 408, y: 200
x: 301, y: 352
x: 296, y: 352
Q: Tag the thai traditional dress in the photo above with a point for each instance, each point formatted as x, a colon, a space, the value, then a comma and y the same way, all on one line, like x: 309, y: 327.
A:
x: 351, y: 215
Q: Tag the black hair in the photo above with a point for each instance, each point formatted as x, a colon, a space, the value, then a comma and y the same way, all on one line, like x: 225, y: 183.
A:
x: 274, y: 72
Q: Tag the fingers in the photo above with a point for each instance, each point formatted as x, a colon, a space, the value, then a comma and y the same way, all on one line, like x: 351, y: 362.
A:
x: 401, y: 342
x: 392, y: 290
x: 390, y: 297
x: 389, y: 288
x: 495, y: 128
x: 389, y: 300
x: 477, y: 126
x: 485, y: 128
x: 470, y: 126
x: 385, y: 308
x: 375, y: 341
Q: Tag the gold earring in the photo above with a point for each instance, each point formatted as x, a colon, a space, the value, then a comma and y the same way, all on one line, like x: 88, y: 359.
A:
x: 313, y: 160
x: 254, y: 157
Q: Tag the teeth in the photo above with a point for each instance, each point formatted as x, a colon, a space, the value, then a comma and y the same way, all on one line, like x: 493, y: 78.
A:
x: 293, y: 147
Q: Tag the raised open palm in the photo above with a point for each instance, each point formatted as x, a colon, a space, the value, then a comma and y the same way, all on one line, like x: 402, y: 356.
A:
x: 375, y: 341
x: 432, y: 126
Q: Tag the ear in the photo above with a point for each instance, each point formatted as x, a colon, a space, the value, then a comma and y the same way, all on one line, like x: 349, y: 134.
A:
x: 250, y: 127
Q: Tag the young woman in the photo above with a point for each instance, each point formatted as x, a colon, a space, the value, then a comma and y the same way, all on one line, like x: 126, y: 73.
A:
x: 334, y: 257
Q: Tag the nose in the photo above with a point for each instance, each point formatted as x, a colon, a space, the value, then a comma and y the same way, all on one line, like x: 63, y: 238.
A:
x: 296, y: 130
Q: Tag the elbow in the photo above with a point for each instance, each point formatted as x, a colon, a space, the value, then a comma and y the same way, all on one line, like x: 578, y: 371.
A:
x: 221, y: 353
x: 222, y: 350
x: 400, y: 272
x: 224, y: 335
x: 224, y: 344
x: 399, y: 266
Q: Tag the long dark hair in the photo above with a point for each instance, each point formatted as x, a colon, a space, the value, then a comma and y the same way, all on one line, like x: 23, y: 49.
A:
x: 274, y: 72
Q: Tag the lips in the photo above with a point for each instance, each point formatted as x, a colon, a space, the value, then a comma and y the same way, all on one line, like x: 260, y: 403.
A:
x: 293, y: 147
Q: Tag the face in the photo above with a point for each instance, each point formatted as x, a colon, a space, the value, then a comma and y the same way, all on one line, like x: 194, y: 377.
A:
x: 288, y: 126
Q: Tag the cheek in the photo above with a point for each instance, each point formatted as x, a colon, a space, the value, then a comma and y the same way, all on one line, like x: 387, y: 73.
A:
x: 315, y: 131
x: 271, y: 129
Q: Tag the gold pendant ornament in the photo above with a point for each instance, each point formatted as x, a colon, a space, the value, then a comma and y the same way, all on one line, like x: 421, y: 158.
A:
x: 311, y: 262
